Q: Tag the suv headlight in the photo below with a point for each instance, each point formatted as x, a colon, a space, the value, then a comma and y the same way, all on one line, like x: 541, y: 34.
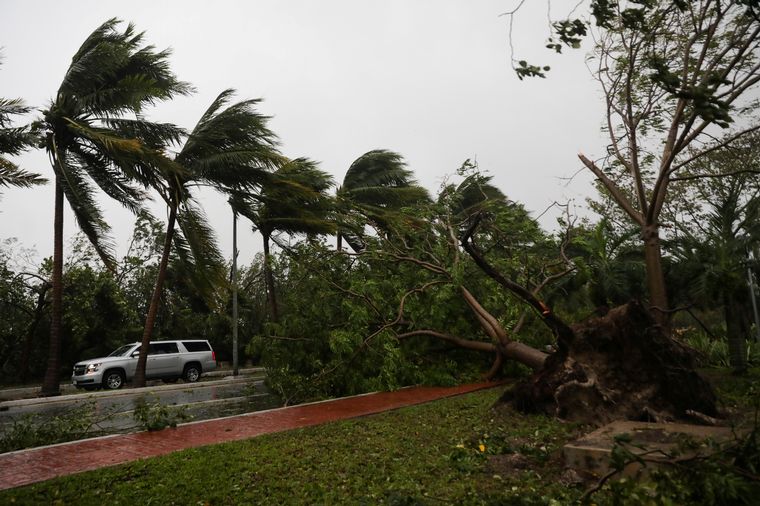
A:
x: 92, y: 368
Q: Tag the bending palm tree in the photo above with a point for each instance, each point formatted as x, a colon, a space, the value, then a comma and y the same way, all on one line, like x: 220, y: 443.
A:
x: 375, y: 186
x: 89, y: 140
x: 295, y: 201
x: 230, y: 149
x: 472, y: 196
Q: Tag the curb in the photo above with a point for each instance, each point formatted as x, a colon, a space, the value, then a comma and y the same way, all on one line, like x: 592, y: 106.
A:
x: 10, y: 394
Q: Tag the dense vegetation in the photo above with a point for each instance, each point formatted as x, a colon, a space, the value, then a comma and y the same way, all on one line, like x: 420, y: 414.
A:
x: 419, y: 288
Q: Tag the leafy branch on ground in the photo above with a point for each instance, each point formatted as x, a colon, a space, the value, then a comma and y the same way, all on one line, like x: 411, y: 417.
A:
x: 78, y: 422
x: 152, y: 415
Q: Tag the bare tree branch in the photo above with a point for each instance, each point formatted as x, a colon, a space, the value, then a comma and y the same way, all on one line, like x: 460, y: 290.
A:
x: 614, y: 190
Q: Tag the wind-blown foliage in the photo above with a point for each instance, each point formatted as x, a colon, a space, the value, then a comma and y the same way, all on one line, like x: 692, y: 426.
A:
x: 13, y: 141
x: 232, y: 150
x: 96, y: 137
x: 376, y: 186
x: 293, y: 201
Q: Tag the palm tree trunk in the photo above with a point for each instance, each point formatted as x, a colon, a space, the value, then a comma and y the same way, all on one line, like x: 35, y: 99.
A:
x: 658, y: 297
x: 39, y: 312
x: 736, y: 348
x: 271, y: 296
x: 50, y: 385
x: 150, y: 319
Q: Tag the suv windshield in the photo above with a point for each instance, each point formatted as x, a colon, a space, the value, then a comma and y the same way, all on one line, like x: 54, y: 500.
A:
x: 121, y: 351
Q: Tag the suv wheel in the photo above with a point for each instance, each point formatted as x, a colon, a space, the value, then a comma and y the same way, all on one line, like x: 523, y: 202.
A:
x: 113, y: 380
x: 192, y: 373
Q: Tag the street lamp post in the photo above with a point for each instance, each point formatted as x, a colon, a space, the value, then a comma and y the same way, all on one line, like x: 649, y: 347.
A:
x: 235, y: 370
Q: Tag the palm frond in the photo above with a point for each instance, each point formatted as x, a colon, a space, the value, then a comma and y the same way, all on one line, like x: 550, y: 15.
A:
x: 111, y: 74
x: 13, y: 140
x: 378, y: 181
x: 80, y: 195
x: 12, y: 175
x: 11, y: 107
x: 309, y: 225
x: 107, y: 176
x: 130, y: 155
x: 385, y: 197
x: 151, y: 134
x: 197, y: 250
x: 293, y: 201
x: 378, y: 167
x: 238, y: 129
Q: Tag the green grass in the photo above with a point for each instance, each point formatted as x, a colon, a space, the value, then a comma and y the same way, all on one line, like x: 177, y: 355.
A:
x: 428, y: 454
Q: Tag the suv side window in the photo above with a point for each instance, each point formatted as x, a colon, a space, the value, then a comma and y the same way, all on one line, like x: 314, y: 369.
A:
x: 196, y: 346
x: 163, y: 348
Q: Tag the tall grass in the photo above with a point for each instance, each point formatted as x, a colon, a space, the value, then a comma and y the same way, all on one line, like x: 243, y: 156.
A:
x: 712, y: 352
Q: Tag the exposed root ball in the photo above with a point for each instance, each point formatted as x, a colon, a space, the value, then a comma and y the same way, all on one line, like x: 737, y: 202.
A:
x: 618, y: 366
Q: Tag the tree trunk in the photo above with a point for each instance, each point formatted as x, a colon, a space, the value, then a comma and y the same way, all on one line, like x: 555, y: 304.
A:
x: 737, y: 354
x: 658, y: 297
x: 39, y: 311
x: 271, y: 296
x: 150, y: 319
x: 339, y: 246
x: 50, y: 385
x: 520, y: 352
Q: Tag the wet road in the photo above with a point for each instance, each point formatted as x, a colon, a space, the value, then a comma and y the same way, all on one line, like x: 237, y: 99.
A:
x: 112, y: 411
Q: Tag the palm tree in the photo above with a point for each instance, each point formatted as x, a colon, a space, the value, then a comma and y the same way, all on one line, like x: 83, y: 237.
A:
x: 475, y: 194
x: 232, y: 150
x: 376, y: 185
x: 12, y: 142
x: 295, y: 201
x: 611, y: 263
x: 91, y: 142
x: 716, y: 254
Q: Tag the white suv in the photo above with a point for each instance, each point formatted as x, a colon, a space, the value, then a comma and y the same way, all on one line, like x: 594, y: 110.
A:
x: 167, y: 360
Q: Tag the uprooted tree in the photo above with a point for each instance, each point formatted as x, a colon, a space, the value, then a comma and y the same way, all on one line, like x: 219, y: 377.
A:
x: 672, y: 73
x: 619, y: 364
x: 473, y: 271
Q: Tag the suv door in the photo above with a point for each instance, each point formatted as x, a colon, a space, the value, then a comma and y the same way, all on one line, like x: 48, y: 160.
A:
x: 163, y: 360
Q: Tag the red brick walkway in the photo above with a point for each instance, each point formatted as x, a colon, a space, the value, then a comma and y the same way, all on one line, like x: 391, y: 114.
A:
x: 30, y: 466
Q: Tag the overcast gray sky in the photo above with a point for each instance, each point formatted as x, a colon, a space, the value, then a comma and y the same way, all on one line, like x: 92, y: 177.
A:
x: 428, y: 79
